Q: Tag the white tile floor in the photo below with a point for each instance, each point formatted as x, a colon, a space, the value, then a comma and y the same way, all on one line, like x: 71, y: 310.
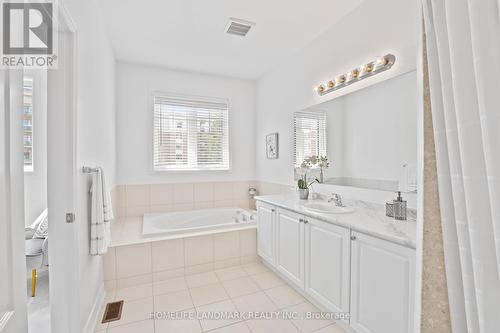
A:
x: 247, y: 288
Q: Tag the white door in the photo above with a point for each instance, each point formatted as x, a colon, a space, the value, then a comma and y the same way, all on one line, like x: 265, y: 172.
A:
x: 382, y: 288
x: 327, y: 264
x: 13, y: 318
x: 290, y: 246
x: 265, y: 232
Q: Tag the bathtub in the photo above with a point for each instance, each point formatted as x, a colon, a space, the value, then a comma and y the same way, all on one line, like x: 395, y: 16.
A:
x: 196, y: 221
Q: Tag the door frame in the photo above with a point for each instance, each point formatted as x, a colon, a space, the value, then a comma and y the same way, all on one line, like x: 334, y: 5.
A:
x: 61, y: 179
x: 13, y: 307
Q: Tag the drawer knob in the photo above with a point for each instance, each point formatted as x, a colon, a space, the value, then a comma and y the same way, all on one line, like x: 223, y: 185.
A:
x: 306, y: 221
x: 353, y: 237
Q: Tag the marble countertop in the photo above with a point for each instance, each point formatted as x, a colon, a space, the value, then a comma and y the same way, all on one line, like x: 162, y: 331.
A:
x: 368, y: 218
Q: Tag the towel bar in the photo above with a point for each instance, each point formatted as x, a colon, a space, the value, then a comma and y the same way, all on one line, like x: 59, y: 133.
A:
x: 87, y: 169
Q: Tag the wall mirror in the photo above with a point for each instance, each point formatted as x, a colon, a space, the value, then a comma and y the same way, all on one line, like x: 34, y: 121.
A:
x: 369, y: 136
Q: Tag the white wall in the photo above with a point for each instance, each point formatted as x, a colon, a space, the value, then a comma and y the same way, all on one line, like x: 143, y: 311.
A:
x: 135, y: 85
x: 373, y: 132
x: 385, y: 26
x: 95, y: 136
x: 35, y: 183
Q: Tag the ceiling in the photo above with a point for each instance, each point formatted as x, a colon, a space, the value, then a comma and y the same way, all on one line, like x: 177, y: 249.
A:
x: 190, y: 34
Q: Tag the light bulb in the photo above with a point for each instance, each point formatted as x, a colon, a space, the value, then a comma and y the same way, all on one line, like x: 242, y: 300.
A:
x: 340, y: 79
x: 330, y: 84
x: 353, y: 74
x: 368, y: 68
x: 382, y: 61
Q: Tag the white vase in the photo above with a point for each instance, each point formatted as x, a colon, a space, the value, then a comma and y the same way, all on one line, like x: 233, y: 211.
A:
x: 303, y: 193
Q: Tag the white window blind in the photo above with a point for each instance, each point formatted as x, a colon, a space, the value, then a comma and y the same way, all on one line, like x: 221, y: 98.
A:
x: 28, y: 123
x: 190, y: 133
x: 309, y: 135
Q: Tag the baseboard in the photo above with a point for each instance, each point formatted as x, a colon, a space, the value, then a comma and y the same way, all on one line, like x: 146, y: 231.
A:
x: 96, y: 309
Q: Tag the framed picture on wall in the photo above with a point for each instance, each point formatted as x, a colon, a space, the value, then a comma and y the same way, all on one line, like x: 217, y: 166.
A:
x: 272, y: 147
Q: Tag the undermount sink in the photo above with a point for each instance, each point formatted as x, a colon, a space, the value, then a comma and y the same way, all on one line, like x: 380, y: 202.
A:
x: 327, y: 208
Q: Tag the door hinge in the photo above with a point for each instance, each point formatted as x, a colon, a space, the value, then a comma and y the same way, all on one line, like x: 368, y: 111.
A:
x: 70, y: 217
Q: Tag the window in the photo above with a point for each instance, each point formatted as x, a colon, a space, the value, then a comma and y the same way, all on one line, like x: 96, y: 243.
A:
x: 28, y: 123
x: 309, y: 134
x: 190, y: 134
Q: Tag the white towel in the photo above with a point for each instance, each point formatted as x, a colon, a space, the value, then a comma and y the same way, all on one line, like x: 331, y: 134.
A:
x: 102, y: 214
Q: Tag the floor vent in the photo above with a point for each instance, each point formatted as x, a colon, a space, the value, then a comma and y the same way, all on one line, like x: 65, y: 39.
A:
x: 113, y: 312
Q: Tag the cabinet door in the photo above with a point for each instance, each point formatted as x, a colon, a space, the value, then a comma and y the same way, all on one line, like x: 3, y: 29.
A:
x: 290, y: 246
x: 265, y: 232
x: 327, y: 264
x: 382, y: 286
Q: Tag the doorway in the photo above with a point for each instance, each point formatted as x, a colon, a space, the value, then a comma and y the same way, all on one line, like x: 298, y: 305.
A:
x: 35, y: 199
x: 26, y: 174
x: 56, y: 309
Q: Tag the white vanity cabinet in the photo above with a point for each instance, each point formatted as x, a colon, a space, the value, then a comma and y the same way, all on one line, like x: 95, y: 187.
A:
x: 290, y: 245
x: 382, y: 286
x: 266, y: 230
x: 327, y: 264
x: 341, y: 270
x: 313, y: 255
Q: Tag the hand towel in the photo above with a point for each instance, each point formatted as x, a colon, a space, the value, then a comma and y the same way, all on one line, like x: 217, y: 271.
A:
x: 101, y: 214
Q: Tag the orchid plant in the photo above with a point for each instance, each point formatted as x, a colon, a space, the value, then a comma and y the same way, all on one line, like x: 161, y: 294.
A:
x: 323, y: 163
x: 309, y: 162
x: 303, y: 183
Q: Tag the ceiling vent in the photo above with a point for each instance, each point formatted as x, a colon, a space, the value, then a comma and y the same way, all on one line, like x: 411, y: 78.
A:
x: 238, y: 27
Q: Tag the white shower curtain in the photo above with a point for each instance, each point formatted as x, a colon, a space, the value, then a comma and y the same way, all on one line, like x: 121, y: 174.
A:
x: 463, y: 49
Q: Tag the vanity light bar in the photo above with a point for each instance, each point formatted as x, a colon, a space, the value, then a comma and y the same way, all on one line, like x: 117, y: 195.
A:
x: 377, y: 66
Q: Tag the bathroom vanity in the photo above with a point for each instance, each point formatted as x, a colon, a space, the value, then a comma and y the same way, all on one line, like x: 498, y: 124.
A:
x: 360, y: 263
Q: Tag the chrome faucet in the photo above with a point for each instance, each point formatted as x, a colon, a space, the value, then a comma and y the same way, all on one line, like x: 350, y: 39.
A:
x: 337, y: 200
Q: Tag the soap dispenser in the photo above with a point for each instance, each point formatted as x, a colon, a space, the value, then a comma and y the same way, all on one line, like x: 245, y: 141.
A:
x: 399, y: 206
